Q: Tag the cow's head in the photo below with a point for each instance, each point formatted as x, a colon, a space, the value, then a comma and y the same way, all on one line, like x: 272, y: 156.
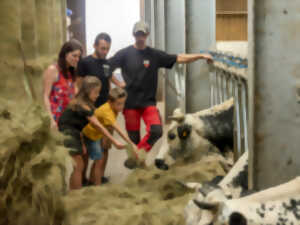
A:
x: 199, y: 210
x: 183, y: 135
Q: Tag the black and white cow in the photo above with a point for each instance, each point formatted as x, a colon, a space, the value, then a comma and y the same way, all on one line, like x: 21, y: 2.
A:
x: 277, y: 205
x: 233, y: 185
x: 197, y: 132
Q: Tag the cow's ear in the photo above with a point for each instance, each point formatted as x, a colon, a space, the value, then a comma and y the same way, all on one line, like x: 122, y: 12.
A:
x: 237, y: 218
x: 207, y: 206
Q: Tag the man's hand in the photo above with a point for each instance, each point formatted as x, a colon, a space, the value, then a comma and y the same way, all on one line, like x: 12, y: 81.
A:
x: 122, y: 85
x: 208, y: 58
x: 118, y: 83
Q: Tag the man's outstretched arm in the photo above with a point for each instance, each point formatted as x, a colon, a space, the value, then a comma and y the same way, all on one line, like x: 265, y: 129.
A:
x: 188, y: 58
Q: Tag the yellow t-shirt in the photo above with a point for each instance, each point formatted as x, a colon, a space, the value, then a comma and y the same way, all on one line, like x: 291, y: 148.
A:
x: 106, y: 116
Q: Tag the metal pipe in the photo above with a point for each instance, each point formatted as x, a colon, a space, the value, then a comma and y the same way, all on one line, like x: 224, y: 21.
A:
x: 177, y: 84
x: 211, y: 82
x: 216, y: 87
x: 222, y: 85
x: 226, y: 86
x: 234, y: 121
x: 245, y: 119
x: 238, y: 121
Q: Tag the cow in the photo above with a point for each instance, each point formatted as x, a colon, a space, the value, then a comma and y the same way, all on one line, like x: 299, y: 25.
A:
x: 233, y: 185
x: 198, y: 131
x: 277, y: 205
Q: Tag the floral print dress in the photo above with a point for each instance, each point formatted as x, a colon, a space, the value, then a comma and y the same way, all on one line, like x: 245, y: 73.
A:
x: 63, y: 91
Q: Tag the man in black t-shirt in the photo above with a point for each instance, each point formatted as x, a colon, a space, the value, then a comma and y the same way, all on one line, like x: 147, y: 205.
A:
x: 139, y: 64
x: 97, y: 65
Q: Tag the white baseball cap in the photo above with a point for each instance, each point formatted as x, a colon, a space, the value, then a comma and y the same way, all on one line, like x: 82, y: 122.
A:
x: 142, y: 27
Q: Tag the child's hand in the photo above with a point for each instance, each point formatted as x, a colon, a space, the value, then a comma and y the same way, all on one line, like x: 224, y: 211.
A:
x: 53, y: 124
x: 135, y: 148
x: 119, y: 145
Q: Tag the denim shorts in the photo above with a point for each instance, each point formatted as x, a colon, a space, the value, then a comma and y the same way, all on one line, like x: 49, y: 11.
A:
x: 94, y: 148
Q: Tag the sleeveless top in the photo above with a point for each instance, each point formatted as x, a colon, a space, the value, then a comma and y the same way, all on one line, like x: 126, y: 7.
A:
x: 61, y: 94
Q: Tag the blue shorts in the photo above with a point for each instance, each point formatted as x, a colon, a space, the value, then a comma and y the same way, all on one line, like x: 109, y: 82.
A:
x: 94, y: 148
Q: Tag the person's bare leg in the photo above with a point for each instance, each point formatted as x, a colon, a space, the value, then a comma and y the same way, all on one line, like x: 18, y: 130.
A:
x: 85, y: 164
x: 96, y: 173
x: 106, y: 145
x: 105, y: 158
x: 102, y: 164
x: 76, y: 178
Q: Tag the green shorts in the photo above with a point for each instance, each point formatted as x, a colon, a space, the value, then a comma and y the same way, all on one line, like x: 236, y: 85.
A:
x: 73, y: 142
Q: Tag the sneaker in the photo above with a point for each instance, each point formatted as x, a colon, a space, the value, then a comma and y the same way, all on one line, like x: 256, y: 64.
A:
x: 87, y: 183
x: 104, y: 180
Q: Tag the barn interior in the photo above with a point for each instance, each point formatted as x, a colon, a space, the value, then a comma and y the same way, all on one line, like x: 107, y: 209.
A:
x: 253, y: 44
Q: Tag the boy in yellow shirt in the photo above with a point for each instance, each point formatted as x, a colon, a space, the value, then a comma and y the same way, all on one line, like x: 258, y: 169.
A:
x: 97, y: 145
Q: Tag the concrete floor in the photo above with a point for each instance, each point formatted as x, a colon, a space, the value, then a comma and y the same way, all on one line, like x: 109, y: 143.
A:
x: 115, y: 167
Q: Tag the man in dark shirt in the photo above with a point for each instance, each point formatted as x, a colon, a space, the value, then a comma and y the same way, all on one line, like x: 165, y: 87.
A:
x: 139, y: 64
x: 97, y: 65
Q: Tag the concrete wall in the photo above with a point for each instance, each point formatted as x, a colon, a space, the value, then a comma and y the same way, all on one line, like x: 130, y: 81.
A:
x: 235, y: 47
x: 274, y: 91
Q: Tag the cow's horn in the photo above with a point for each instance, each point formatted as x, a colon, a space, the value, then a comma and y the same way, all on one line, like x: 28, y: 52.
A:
x: 177, y: 115
x: 207, y: 206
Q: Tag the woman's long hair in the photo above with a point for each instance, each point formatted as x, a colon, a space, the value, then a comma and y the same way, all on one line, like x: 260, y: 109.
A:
x: 69, y: 46
x: 82, y: 98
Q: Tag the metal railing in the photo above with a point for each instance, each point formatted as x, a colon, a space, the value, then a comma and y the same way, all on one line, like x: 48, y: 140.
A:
x: 228, y: 78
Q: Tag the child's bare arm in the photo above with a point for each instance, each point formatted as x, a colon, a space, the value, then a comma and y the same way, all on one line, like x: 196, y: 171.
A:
x: 105, y: 142
x: 94, y: 121
x: 122, y: 134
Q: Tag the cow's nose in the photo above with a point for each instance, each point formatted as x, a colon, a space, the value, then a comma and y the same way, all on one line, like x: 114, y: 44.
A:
x: 184, y: 131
